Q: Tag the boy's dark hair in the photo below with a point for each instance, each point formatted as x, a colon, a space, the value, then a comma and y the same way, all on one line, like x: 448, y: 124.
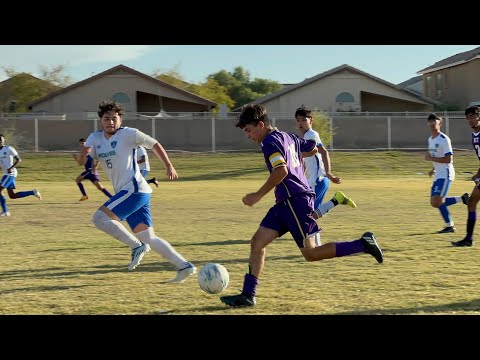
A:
x: 110, y: 105
x: 81, y: 140
x: 303, y: 111
x: 434, y: 116
x: 251, y: 114
x: 474, y: 109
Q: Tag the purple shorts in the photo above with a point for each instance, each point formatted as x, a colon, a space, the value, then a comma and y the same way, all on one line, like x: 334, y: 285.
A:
x: 293, y: 215
x: 89, y: 176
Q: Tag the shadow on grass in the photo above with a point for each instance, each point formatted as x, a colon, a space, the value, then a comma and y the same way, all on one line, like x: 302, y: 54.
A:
x: 42, y: 288
x: 225, y: 174
x: 473, y: 305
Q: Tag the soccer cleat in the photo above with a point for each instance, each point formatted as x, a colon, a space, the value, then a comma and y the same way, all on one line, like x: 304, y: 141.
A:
x: 155, y: 181
x: 184, y: 273
x: 448, y: 229
x: 83, y: 198
x: 137, y: 255
x: 465, y: 198
x: 464, y: 242
x: 5, y: 214
x: 37, y: 194
x: 238, y: 300
x: 371, y: 246
x: 343, y: 199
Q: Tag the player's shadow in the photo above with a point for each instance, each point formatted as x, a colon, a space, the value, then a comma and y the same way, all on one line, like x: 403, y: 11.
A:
x: 42, y: 288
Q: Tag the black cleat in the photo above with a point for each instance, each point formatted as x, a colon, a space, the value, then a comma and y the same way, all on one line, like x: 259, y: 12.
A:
x: 371, y: 246
x: 238, y: 300
x: 448, y: 229
x: 464, y: 242
x: 465, y: 198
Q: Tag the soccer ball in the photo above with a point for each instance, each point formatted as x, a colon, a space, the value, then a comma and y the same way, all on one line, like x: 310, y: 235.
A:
x: 213, y: 278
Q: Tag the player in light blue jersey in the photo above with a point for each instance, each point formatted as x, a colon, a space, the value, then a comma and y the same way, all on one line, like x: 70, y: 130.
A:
x: 472, y: 114
x: 440, y: 153
x: 318, y: 169
x: 9, y: 159
x: 293, y: 210
x: 116, y: 149
x: 144, y: 165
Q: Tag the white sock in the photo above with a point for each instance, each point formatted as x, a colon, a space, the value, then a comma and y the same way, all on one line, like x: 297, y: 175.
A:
x: 324, y: 208
x: 318, y: 242
x: 114, y: 228
x: 162, y: 247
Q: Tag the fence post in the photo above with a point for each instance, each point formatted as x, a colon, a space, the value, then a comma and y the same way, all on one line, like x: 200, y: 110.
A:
x: 153, y: 128
x: 389, y: 132
x: 213, y: 134
x: 36, y: 134
x: 447, y: 123
x: 330, y: 120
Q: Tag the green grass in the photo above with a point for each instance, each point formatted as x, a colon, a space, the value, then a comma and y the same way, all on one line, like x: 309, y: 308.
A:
x: 54, y: 261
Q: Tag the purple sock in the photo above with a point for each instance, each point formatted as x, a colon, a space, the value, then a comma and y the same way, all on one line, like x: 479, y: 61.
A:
x: 349, y: 248
x: 250, y: 285
x: 105, y: 191
x: 82, y: 189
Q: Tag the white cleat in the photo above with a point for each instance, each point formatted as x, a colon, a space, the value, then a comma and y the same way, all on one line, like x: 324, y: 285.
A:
x: 37, y: 194
x: 137, y: 255
x: 5, y: 214
x: 184, y: 273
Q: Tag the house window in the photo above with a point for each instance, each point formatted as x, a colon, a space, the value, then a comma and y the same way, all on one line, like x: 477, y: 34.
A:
x: 344, y: 97
x: 438, y: 85
x: 428, y: 86
x: 120, y: 97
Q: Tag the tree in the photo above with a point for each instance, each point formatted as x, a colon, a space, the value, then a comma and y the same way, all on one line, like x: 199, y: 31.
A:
x: 321, y: 124
x: 55, y: 75
x: 241, y: 89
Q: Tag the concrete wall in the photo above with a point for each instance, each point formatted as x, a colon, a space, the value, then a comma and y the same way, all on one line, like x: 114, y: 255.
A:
x: 195, y: 134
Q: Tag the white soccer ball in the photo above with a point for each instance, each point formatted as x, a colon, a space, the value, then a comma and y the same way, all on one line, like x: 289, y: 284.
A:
x: 213, y: 278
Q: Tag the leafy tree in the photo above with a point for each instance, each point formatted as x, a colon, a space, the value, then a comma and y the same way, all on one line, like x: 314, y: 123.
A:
x: 241, y: 89
x: 21, y: 89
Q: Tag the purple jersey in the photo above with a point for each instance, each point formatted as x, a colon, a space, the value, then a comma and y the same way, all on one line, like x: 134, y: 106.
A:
x: 89, y: 165
x: 476, y: 143
x: 285, y: 149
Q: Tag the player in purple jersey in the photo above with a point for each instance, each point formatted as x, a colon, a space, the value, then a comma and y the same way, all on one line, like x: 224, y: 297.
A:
x: 440, y: 154
x: 90, y: 173
x: 9, y: 159
x: 472, y: 114
x: 293, y: 210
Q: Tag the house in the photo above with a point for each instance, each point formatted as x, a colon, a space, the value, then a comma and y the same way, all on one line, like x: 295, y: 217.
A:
x: 343, y: 89
x: 454, y: 81
x: 137, y: 92
x: 414, y: 84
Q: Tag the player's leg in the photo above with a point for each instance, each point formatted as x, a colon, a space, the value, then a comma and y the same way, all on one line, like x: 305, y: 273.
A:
x: 79, y: 180
x: 438, y: 193
x: 321, y: 188
x: 107, y: 218
x: 141, y: 224
x: 3, y: 201
x: 472, y: 218
x: 96, y: 181
x: 271, y: 227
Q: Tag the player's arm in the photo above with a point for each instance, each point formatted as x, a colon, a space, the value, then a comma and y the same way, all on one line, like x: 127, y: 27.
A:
x: 82, y: 156
x: 275, y: 178
x: 162, y: 155
x: 447, y: 159
x: 17, y: 160
x: 309, y: 153
x: 328, y: 165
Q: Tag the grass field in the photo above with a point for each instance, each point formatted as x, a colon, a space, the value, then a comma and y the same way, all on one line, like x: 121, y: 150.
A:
x: 54, y: 261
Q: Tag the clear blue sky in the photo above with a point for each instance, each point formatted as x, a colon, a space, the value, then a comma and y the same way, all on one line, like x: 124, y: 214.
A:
x: 283, y: 63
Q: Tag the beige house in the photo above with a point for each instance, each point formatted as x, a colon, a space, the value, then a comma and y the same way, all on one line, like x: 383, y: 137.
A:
x: 345, y: 88
x: 454, y: 80
x: 138, y: 93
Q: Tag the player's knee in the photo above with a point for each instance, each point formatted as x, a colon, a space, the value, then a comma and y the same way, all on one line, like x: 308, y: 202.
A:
x: 146, y: 236
x: 308, y: 255
x: 99, y: 218
x: 436, y: 202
